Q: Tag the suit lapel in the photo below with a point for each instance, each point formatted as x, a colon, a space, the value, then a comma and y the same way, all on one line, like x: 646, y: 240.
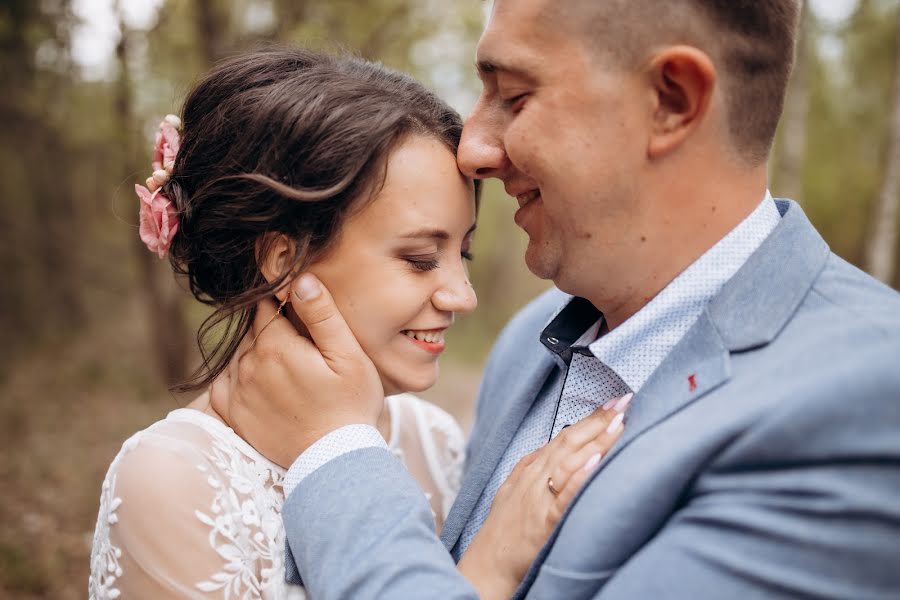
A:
x: 522, y: 386
x: 697, y: 365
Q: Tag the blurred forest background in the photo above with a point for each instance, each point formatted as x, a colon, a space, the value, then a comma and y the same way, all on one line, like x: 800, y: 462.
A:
x: 94, y: 327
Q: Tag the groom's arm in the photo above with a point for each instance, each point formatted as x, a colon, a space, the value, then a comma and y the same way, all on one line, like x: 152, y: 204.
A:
x: 360, y: 527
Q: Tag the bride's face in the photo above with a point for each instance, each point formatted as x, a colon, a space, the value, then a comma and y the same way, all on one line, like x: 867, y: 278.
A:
x: 398, y: 272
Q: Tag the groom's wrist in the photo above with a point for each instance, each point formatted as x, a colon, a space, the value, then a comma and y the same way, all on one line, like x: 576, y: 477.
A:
x: 329, y: 447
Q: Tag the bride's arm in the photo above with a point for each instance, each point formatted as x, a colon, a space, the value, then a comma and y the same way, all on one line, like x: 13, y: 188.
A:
x: 161, y: 532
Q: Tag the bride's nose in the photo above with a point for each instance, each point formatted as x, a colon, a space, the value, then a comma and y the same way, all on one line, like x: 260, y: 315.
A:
x: 456, y: 295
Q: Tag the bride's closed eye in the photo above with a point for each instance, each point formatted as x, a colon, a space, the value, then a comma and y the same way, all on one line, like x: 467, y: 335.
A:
x: 431, y: 262
x: 423, y: 263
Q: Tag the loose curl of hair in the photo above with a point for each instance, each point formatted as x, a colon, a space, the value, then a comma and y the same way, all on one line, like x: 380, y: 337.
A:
x: 281, y: 141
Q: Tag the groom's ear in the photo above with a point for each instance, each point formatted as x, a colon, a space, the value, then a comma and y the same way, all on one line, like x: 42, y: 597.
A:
x: 274, y: 255
x: 683, y: 80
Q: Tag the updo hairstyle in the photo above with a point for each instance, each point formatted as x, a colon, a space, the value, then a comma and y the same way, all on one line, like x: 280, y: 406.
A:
x: 285, y: 141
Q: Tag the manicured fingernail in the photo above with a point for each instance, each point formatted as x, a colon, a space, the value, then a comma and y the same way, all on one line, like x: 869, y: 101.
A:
x: 622, y: 404
x: 592, y: 462
x: 615, y: 423
x: 307, y: 288
x: 609, y: 404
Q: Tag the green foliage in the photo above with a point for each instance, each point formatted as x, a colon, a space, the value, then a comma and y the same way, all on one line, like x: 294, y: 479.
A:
x: 850, y: 104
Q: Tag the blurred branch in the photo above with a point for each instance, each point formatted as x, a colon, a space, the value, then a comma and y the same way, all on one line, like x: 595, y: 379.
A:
x: 209, y: 26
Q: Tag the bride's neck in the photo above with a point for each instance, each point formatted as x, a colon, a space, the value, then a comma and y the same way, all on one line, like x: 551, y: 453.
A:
x: 202, y: 404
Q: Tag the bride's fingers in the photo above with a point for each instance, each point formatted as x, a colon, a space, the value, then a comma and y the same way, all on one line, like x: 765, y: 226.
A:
x: 574, y: 482
x: 574, y: 437
x: 605, y: 427
x: 570, y: 474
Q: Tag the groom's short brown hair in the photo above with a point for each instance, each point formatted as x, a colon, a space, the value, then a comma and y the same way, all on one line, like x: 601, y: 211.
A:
x: 751, y: 41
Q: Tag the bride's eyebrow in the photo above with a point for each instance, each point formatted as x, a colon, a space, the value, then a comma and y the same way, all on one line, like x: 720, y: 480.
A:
x: 438, y: 234
x: 435, y: 234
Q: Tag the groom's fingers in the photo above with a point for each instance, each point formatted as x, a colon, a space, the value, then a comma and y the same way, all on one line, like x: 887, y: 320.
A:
x: 265, y: 313
x: 329, y: 331
x: 272, y: 336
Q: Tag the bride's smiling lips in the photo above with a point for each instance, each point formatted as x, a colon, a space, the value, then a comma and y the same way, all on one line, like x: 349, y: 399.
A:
x: 430, y: 340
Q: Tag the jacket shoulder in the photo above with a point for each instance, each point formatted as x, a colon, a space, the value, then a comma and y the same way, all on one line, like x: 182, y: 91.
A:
x: 859, y: 301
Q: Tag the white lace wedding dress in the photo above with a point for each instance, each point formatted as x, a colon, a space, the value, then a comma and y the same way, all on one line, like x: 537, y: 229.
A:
x: 190, y: 510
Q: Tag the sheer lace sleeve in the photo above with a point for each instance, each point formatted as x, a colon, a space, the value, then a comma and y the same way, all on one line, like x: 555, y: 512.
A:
x: 184, y: 515
x: 432, y: 446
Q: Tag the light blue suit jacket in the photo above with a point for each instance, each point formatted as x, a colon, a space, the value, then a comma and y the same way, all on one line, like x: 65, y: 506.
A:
x: 776, y: 476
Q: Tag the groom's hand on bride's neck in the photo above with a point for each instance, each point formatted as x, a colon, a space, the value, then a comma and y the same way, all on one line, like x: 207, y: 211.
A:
x: 284, y: 392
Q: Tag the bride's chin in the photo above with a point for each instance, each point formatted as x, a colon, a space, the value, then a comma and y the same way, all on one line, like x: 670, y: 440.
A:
x: 414, y: 383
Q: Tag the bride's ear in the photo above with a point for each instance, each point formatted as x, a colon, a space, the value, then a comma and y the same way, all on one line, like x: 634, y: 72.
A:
x: 274, y: 254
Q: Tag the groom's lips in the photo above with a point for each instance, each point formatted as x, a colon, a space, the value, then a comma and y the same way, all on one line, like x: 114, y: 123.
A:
x: 526, y: 197
x: 528, y: 202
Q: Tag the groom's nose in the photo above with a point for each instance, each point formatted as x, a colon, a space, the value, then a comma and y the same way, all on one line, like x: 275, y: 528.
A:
x: 481, y: 153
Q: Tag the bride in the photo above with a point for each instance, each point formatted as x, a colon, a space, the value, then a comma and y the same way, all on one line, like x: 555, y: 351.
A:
x: 292, y: 161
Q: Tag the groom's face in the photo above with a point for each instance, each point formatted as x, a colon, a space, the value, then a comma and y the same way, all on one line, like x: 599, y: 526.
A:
x: 565, y: 130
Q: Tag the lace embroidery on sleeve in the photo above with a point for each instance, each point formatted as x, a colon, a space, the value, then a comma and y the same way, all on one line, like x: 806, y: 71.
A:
x: 244, y: 521
x: 453, y: 451
x: 105, y: 568
x: 226, y: 517
x: 105, y: 556
x: 443, y: 444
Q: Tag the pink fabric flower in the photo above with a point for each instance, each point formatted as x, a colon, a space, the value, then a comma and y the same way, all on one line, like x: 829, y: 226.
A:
x: 168, y: 140
x: 159, y: 220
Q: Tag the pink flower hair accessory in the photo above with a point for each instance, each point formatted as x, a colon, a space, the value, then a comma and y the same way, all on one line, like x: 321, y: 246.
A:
x: 159, y: 220
x: 158, y: 216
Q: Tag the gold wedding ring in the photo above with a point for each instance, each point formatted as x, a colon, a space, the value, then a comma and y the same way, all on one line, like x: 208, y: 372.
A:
x: 551, y: 487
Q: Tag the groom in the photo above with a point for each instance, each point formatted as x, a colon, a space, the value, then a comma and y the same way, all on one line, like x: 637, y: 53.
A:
x: 761, y: 455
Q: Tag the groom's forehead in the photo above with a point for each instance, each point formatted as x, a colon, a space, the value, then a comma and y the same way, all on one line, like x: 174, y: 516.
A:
x: 514, y: 32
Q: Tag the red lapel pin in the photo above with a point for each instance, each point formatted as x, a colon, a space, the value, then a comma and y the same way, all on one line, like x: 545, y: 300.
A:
x: 692, y: 382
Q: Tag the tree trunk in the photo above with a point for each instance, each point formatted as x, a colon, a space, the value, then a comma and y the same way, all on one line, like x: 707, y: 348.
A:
x: 209, y: 26
x: 789, y: 174
x: 881, y: 255
x: 159, y: 294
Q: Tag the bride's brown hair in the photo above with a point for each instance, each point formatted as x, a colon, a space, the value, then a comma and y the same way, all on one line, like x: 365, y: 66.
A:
x: 285, y: 141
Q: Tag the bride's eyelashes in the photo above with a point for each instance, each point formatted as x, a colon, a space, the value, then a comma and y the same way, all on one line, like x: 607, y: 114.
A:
x: 425, y: 263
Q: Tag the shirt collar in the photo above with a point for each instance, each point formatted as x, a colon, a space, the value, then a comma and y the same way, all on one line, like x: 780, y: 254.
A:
x: 639, y: 345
